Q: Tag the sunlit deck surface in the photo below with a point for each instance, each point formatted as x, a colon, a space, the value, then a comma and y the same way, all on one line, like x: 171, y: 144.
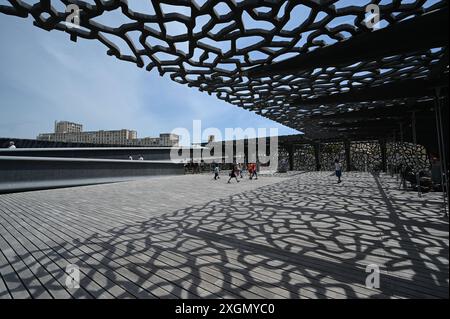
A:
x: 301, y: 236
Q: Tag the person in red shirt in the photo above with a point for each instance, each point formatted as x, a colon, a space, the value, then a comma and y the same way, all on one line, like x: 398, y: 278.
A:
x: 249, y: 169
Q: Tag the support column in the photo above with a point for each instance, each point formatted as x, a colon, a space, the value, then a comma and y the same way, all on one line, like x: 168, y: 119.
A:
x: 401, y: 132
x: 291, y: 150
x: 257, y: 151
x: 317, y: 156
x: 413, y: 124
x: 393, y: 164
x: 224, y: 153
x: 383, y: 155
x: 257, y: 155
x: 347, y: 155
x: 246, y: 151
x: 442, y: 151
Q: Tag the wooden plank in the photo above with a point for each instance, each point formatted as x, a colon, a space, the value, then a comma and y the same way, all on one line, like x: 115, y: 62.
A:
x: 153, y: 235
x: 65, y: 256
x: 93, y: 252
x: 83, y: 226
x: 301, y: 237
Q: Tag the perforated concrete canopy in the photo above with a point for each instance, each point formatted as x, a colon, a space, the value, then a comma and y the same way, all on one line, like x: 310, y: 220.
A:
x: 294, y: 62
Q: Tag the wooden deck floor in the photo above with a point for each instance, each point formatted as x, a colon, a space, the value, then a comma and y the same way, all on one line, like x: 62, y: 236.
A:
x: 190, y: 237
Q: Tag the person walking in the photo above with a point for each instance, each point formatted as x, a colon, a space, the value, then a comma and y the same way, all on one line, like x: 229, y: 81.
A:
x: 233, y: 173
x: 216, y: 172
x: 241, y: 170
x: 338, y: 169
x: 254, y: 172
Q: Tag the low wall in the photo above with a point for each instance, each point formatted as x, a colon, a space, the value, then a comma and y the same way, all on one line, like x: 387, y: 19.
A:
x: 148, y: 153
x: 20, y: 173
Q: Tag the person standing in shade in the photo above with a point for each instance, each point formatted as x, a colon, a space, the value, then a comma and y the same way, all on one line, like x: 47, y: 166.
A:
x: 216, y: 172
x: 338, y: 169
x: 233, y: 173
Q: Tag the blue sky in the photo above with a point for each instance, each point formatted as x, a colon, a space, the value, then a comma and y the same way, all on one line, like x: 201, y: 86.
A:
x: 45, y: 77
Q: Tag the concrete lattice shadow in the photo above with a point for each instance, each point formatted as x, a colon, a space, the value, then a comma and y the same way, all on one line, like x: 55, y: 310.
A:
x: 301, y: 238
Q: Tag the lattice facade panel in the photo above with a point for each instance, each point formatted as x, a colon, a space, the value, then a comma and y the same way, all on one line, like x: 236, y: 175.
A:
x: 304, y: 158
x: 283, y: 156
x: 365, y: 156
x: 329, y: 152
x: 407, y: 155
x: 209, y: 44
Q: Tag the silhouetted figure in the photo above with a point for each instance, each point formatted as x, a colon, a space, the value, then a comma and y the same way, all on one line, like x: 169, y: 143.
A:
x: 233, y: 174
x: 338, y: 169
x: 196, y: 168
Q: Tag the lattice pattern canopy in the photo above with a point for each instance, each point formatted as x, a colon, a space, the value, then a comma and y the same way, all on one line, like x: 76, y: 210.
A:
x: 210, y: 44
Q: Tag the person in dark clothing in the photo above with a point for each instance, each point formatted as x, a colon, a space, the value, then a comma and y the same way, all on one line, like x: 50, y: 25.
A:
x: 233, y: 174
x: 254, y: 171
x: 338, y: 169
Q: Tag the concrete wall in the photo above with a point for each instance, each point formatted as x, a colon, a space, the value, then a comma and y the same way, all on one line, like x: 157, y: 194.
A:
x: 149, y: 153
x: 37, y: 172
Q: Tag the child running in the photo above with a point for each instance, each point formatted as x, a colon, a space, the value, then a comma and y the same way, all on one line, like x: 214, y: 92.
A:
x: 216, y: 172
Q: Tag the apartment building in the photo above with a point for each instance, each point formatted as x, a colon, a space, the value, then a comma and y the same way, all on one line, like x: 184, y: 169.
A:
x: 73, y: 132
x: 68, y: 127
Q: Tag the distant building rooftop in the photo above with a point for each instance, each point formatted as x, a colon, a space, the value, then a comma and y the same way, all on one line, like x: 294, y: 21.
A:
x: 70, y: 132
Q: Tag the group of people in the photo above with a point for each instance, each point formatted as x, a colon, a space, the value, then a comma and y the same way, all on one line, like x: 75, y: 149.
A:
x: 140, y: 158
x: 238, y: 171
x: 193, y: 167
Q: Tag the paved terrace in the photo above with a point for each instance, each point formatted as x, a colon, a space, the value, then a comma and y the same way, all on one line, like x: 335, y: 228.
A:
x: 301, y: 236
